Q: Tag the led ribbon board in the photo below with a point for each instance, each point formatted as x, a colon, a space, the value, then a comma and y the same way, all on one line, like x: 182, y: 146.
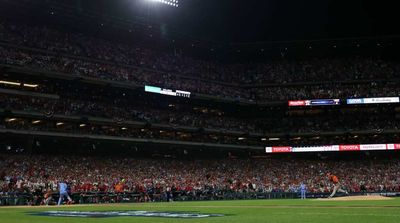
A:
x: 314, y: 102
x: 382, y: 100
x: 332, y: 148
x: 165, y: 91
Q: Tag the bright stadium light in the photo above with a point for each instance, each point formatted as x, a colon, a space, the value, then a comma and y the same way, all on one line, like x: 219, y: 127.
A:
x: 174, y: 3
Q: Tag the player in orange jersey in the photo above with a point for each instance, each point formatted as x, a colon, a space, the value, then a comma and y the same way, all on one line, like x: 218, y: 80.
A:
x: 119, y: 187
x: 337, y: 187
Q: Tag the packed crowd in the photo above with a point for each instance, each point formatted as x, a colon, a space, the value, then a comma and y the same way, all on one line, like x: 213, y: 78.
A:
x: 331, y: 90
x: 124, y: 111
x: 19, y: 173
x: 109, y: 71
x: 79, y: 54
x: 378, y: 119
x: 145, y: 77
x: 211, y: 138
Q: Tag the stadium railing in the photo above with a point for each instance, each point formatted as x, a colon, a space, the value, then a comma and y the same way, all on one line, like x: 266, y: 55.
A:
x: 19, y: 199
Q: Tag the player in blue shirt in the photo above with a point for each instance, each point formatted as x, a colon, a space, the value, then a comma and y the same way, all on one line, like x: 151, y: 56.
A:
x: 62, y: 186
x: 303, y: 190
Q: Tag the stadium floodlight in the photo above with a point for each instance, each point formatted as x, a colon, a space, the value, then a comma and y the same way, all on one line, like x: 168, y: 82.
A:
x: 174, y: 3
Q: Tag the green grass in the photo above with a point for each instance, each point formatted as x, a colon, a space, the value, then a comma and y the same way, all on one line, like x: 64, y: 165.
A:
x: 266, y: 211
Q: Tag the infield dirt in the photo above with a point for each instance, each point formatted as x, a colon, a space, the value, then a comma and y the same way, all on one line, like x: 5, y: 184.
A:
x: 357, y: 198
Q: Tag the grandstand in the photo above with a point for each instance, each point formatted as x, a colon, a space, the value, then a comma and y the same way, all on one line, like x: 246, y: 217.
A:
x: 124, y: 113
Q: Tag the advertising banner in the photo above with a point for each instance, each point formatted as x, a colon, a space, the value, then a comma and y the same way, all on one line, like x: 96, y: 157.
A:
x: 382, y: 100
x: 330, y: 148
x: 314, y: 102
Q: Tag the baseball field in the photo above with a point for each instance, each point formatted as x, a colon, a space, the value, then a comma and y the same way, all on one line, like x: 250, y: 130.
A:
x: 266, y: 211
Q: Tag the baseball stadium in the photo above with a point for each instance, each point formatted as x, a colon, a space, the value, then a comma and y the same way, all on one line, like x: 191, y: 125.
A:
x: 199, y: 111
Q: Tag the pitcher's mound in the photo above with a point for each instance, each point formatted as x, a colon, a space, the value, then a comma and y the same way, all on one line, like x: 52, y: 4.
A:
x: 357, y: 198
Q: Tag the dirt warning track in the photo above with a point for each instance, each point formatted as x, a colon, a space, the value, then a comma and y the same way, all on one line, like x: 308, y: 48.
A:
x: 357, y: 198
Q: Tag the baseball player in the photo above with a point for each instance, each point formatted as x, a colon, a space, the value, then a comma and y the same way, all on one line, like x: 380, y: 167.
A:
x: 47, y: 197
x: 63, y: 192
x: 337, y: 187
x: 303, y: 190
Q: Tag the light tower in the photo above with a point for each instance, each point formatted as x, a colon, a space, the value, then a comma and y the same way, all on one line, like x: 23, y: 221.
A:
x: 174, y: 3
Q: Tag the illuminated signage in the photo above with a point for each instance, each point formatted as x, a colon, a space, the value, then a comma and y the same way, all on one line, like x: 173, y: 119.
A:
x: 329, y: 148
x: 383, y: 100
x: 164, y: 91
x: 314, y: 102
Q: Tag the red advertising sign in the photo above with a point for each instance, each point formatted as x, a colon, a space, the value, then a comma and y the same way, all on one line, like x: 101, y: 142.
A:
x: 297, y: 103
x: 397, y: 146
x: 349, y: 147
x: 282, y: 149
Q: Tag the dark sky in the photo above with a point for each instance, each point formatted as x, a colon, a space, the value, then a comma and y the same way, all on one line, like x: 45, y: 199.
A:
x: 262, y: 20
